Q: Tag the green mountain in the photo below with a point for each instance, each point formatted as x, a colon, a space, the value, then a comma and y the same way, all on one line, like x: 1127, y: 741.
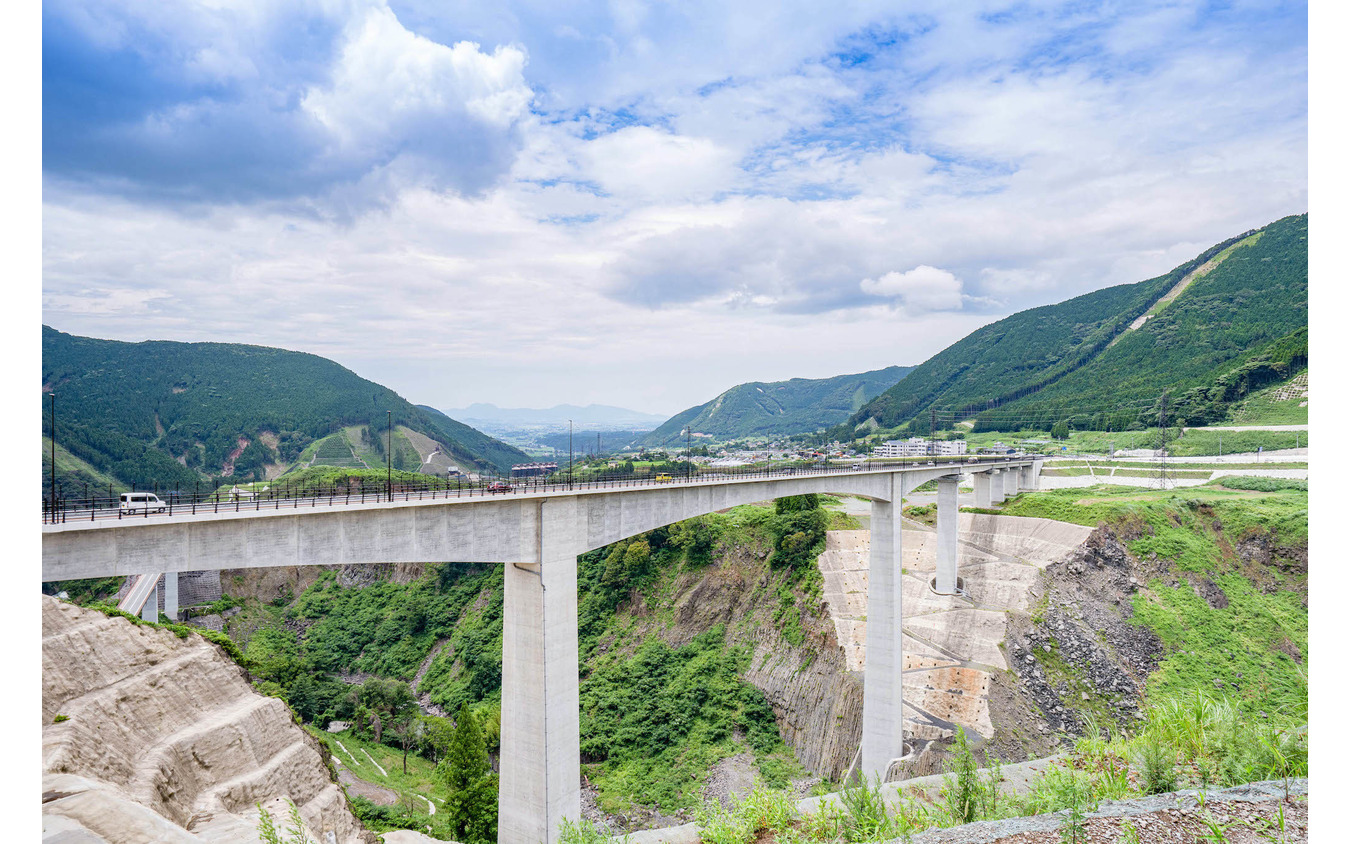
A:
x: 169, y: 413
x: 778, y: 407
x: 1212, y: 330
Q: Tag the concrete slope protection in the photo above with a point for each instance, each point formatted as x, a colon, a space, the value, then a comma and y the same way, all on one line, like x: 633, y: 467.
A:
x: 162, y: 739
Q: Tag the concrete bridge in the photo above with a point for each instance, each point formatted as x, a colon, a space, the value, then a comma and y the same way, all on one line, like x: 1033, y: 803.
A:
x: 538, y: 535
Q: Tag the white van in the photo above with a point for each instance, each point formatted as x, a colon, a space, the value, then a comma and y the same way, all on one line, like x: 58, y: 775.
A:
x: 140, y: 502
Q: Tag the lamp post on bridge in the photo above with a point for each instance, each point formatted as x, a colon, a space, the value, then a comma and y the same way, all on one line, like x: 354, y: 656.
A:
x: 53, y: 395
x: 388, y: 466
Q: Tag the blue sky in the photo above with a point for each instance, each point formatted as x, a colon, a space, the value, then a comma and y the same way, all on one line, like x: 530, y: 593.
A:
x: 635, y: 203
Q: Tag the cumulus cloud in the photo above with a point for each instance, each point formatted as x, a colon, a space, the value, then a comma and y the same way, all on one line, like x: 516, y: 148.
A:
x: 921, y: 289
x: 390, y: 86
x: 251, y: 103
x: 647, y: 163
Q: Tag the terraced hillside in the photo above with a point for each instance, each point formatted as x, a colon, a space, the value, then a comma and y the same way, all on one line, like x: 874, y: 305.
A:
x: 147, y: 736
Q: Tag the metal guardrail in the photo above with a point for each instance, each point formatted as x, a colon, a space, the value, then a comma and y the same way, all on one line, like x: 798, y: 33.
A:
x: 285, y: 496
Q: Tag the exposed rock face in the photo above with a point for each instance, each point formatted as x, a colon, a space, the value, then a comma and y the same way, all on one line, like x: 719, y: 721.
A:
x: 166, y: 741
x: 287, y: 582
x: 817, y: 700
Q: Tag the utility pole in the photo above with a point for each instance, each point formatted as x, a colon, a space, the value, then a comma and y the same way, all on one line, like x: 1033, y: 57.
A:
x: 597, y: 443
x: 688, y: 451
x: 569, y: 453
x: 1162, y: 442
x: 388, y: 466
x: 932, y: 432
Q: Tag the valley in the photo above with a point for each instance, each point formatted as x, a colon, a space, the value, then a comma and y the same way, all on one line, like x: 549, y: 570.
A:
x: 1131, y: 619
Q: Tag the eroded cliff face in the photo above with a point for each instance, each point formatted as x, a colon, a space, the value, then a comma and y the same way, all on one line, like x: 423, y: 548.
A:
x: 816, y: 698
x: 163, y: 739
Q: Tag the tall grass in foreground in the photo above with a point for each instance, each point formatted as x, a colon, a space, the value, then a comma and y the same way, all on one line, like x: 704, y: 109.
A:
x: 1193, y: 741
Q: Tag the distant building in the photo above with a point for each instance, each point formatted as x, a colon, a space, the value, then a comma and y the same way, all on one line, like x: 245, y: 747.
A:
x: 920, y: 447
x: 533, y: 470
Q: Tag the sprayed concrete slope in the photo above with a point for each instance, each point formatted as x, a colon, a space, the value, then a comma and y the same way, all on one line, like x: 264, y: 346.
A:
x: 166, y: 741
x: 952, y: 643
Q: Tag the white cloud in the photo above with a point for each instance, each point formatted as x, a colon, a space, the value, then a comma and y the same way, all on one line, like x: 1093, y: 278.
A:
x: 646, y: 163
x: 389, y: 83
x: 921, y: 289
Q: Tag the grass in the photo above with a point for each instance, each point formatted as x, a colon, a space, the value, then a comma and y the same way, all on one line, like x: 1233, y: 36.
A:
x: 1262, y: 408
x: 1190, y: 741
x: 420, y: 779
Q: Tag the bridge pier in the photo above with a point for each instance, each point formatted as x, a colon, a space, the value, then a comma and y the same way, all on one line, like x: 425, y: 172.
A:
x: 996, y: 495
x: 171, y: 596
x: 541, y: 745
x: 150, y: 609
x: 883, y: 735
x: 947, y: 516
x: 982, y: 483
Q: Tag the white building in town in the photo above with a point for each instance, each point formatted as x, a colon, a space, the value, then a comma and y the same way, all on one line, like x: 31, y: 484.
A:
x: 920, y: 447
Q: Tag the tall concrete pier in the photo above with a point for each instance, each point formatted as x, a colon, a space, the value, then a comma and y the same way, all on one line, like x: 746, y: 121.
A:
x: 883, y: 735
x: 947, y: 514
x: 540, y: 783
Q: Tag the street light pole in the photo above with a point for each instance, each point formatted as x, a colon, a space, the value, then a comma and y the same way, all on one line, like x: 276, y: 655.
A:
x: 388, y: 465
x: 569, y: 453
x: 688, y: 451
x: 53, y: 452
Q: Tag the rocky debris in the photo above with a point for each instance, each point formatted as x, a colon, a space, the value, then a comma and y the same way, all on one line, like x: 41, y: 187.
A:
x: 166, y: 727
x: 731, y: 779
x: 1084, y: 659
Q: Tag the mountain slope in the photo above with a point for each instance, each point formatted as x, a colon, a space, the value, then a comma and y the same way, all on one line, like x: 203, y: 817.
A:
x: 1122, y: 347
x: 779, y: 407
x: 169, y: 412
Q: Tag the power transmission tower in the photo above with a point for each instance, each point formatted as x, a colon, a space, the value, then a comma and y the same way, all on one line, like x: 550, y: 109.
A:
x: 1163, y: 480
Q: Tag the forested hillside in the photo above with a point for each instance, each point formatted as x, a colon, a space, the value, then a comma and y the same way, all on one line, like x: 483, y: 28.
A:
x: 779, y: 407
x: 172, y: 413
x: 1238, y: 323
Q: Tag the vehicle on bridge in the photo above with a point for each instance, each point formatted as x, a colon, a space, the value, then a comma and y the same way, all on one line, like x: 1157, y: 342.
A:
x: 661, y: 478
x: 130, y: 503
x: 499, y: 486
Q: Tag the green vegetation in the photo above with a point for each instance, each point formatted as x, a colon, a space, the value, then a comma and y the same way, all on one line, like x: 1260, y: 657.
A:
x: 132, y: 411
x: 1239, y: 326
x: 1194, y: 741
x: 267, y: 828
x: 471, y: 806
x: 1268, y: 407
x: 1225, y: 623
x: 653, y: 723
x: 777, y: 408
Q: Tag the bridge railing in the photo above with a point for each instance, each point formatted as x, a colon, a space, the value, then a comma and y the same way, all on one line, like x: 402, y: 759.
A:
x: 96, y: 505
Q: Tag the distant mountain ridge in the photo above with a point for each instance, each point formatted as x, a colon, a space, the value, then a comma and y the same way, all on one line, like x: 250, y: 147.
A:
x: 594, y: 416
x: 162, y: 412
x: 779, y: 408
x: 1231, y: 320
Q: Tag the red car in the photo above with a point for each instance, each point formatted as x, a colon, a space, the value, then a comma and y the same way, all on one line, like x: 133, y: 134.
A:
x: 498, y: 486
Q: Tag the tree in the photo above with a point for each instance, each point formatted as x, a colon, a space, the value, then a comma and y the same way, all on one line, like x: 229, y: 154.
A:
x: 1060, y: 431
x: 472, y: 802
x: 386, y: 702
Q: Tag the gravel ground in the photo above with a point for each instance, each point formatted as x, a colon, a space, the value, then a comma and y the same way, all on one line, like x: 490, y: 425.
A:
x: 379, y: 795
